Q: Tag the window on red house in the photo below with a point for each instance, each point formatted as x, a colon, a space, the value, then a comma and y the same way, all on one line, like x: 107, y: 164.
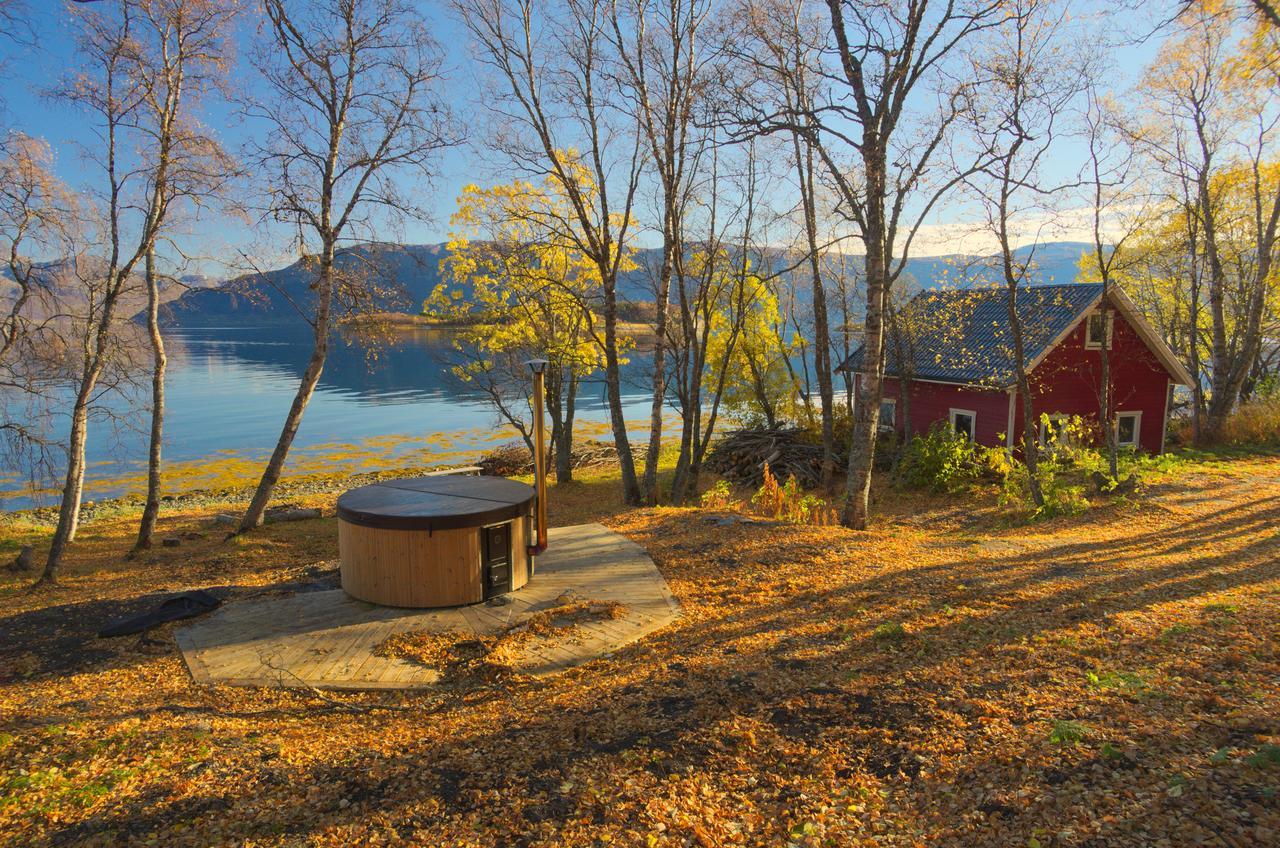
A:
x: 963, y: 421
x: 1093, y: 330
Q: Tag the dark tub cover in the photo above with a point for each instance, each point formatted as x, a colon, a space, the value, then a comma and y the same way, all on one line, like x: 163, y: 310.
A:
x: 436, y: 503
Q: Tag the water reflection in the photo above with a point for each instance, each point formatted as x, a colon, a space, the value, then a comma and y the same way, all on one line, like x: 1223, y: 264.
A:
x: 229, y: 388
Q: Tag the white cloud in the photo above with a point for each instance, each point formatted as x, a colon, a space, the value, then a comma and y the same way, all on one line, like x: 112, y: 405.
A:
x: 974, y: 237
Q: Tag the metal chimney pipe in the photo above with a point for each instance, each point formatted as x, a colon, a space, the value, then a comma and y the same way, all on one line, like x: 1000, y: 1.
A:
x: 539, y: 367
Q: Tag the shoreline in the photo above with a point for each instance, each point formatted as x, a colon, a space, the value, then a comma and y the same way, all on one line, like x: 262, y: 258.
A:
x: 316, y: 483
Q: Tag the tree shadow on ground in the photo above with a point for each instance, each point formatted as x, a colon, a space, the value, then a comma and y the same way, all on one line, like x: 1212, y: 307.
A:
x: 62, y: 639
x: 793, y: 681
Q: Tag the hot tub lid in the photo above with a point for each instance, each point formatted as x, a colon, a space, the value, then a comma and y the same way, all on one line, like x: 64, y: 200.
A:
x: 435, y: 503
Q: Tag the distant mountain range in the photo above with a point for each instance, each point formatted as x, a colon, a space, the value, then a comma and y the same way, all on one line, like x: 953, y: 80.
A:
x: 405, y: 275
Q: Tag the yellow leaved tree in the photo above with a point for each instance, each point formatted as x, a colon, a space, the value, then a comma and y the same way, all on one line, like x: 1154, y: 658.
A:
x: 748, y: 347
x: 518, y: 287
x: 1170, y: 276
x: 1207, y: 125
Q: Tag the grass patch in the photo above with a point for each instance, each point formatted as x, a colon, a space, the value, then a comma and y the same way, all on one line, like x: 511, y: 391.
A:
x: 890, y: 631
x: 1067, y: 732
x: 1265, y: 757
x: 1126, y: 681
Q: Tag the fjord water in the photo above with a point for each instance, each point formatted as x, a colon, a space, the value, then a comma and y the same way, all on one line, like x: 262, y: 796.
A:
x: 229, y: 388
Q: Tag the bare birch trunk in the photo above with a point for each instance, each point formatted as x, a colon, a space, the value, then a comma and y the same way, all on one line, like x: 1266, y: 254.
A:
x: 1030, y: 442
x: 72, y: 489
x: 866, y: 410
x: 253, y: 516
x: 649, y: 487
x: 1106, y: 406
x: 821, y: 324
x: 150, y: 512
x: 613, y: 390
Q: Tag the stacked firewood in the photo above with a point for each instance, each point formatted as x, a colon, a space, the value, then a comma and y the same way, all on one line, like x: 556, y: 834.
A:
x: 514, y: 459
x: 740, y: 456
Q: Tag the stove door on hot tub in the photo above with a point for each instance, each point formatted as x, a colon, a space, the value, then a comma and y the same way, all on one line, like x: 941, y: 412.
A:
x: 496, y: 543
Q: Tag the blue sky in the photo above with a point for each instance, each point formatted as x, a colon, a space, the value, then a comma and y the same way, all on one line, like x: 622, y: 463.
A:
x: 29, y: 71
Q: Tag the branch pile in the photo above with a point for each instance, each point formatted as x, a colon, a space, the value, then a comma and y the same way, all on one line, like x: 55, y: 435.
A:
x: 740, y: 456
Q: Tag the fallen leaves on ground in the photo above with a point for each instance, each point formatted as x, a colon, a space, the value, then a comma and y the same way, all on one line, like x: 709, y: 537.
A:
x: 1104, y: 680
x: 458, y: 655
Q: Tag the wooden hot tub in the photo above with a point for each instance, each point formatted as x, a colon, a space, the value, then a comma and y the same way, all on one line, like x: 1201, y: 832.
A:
x: 435, y: 541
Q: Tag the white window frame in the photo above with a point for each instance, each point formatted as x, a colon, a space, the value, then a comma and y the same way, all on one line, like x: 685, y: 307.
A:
x: 973, y: 422
x: 1091, y: 344
x: 1045, y: 422
x: 893, y: 421
x: 1136, y: 415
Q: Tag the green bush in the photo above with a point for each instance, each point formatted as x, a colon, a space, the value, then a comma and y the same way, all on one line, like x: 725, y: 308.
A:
x: 1063, y: 493
x: 941, y: 461
x: 719, y: 496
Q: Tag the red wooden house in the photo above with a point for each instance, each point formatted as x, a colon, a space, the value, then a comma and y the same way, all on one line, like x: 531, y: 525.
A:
x: 953, y: 351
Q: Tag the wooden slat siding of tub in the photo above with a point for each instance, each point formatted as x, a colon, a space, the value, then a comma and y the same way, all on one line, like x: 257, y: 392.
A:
x: 519, y: 552
x: 410, y: 568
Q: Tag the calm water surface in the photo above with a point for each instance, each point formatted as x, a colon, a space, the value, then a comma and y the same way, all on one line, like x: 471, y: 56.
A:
x: 229, y: 389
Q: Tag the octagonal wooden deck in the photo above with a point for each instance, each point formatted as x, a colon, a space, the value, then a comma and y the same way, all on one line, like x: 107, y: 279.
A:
x: 327, y: 639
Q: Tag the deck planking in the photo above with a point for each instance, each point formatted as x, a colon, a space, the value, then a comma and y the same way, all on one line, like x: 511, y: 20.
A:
x: 327, y: 639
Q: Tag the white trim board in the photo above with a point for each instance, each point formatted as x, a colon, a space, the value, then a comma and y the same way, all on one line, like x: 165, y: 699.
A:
x: 1013, y: 406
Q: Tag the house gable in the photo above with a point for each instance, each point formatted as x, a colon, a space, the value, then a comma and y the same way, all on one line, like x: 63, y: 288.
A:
x: 1126, y: 313
x: 1068, y: 380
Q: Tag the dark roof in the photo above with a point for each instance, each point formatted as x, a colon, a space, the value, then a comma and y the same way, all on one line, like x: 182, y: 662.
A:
x: 962, y: 335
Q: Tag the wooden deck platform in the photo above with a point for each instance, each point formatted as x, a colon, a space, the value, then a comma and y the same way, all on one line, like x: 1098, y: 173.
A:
x: 327, y: 639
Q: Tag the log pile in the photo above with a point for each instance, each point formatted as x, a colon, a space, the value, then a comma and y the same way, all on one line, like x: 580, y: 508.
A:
x: 514, y: 459
x: 740, y: 456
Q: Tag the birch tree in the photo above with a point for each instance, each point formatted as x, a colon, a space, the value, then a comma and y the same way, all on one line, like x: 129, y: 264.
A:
x: 784, y: 42
x: 183, y: 52
x: 552, y: 90
x: 533, y: 296
x: 892, y: 111
x: 667, y: 63
x: 1119, y: 211
x: 1210, y: 110
x: 1027, y: 79
x: 352, y: 109
x: 129, y: 214
x: 885, y: 117
x: 38, y: 216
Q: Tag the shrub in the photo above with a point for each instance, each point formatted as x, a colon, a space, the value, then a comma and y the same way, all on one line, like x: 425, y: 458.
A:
x: 790, y: 503
x: 941, y: 461
x: 1254, y: 423
x: 719, y: 496
x: 1062, y: 496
